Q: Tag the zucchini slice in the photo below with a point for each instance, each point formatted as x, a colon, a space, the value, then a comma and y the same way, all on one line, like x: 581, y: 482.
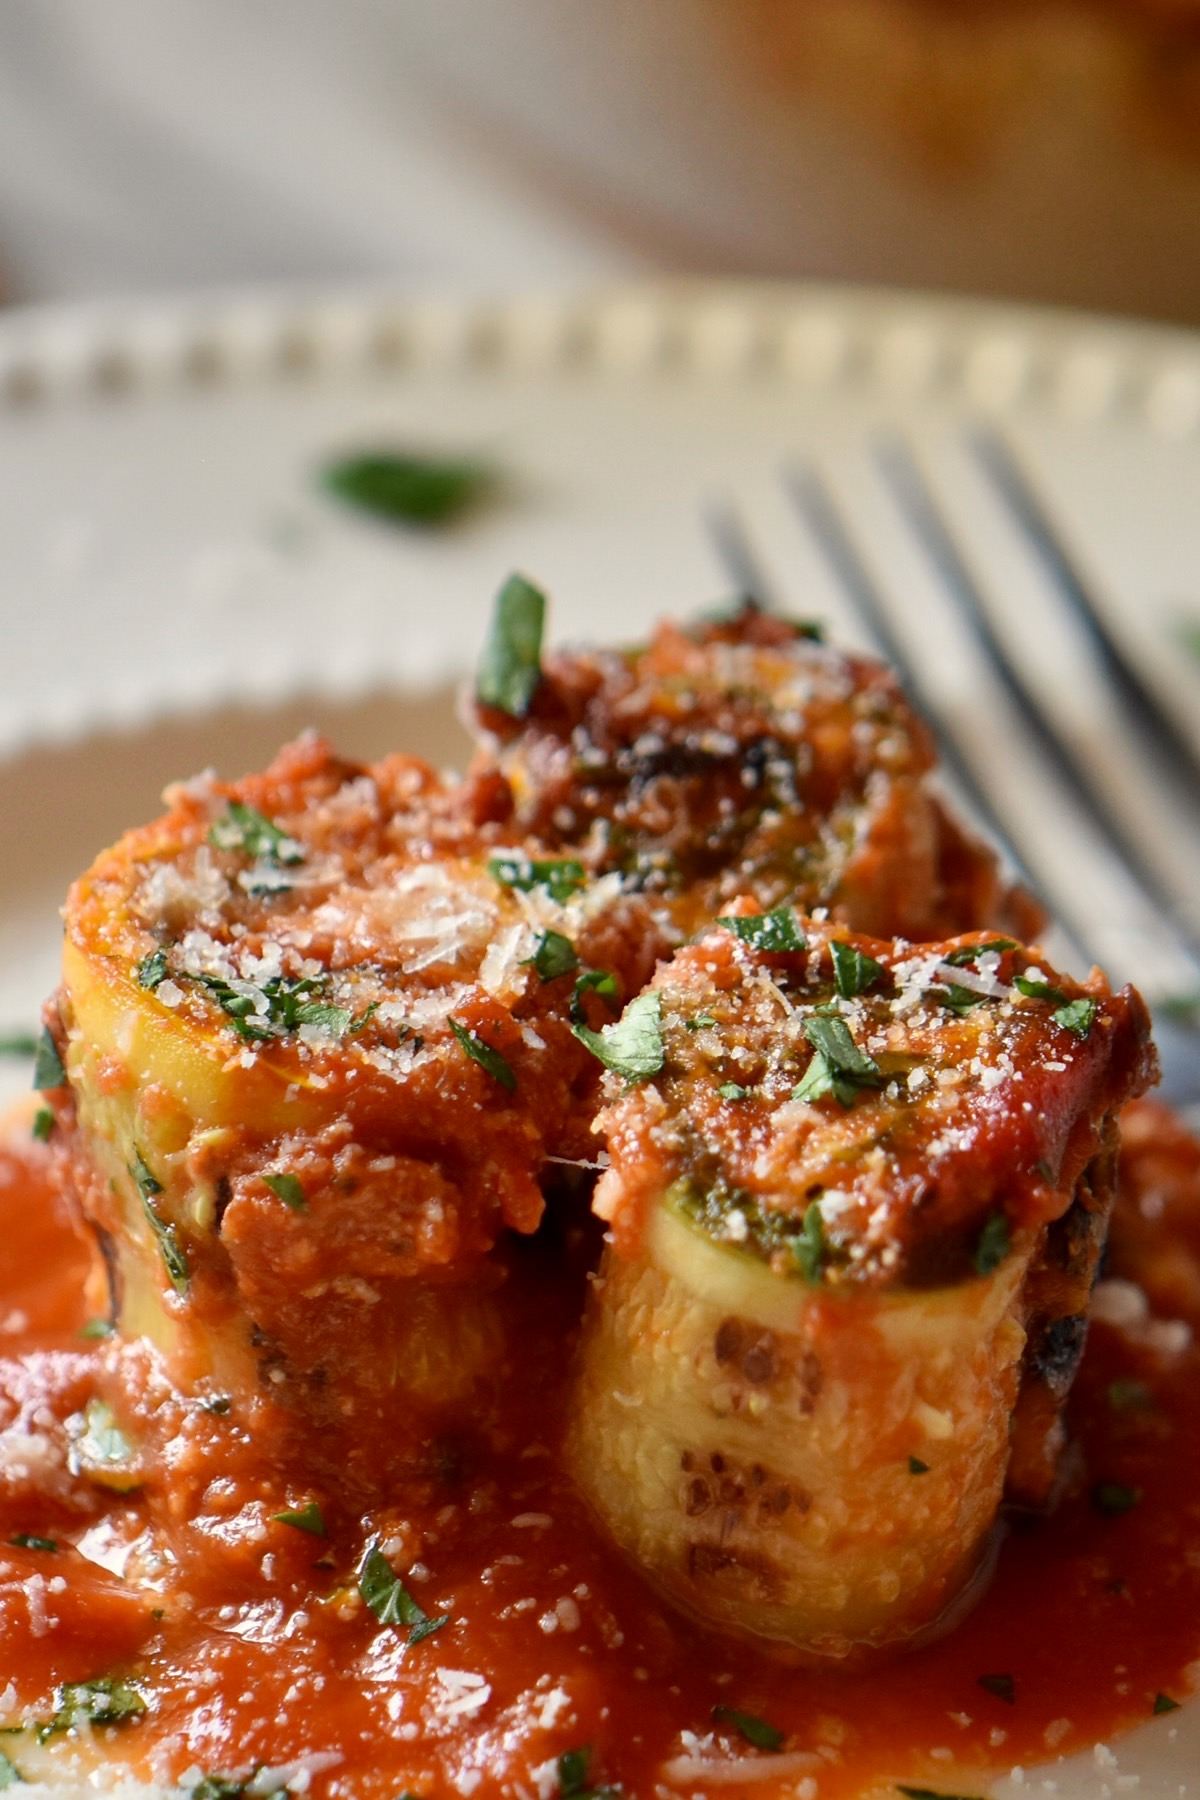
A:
x: 316, y: 1028
x: 840, y: 1216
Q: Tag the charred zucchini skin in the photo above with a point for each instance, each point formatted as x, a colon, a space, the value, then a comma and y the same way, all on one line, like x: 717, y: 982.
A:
x: 751, y: 1443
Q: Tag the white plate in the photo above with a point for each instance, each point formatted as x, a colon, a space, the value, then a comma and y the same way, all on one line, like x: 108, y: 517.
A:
x: 178, y: 592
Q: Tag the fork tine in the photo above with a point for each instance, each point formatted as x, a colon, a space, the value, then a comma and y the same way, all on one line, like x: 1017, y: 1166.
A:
x: 1010, y: 480
x: 736, y: 554
x: 916, y: 500
x: 826, y: 524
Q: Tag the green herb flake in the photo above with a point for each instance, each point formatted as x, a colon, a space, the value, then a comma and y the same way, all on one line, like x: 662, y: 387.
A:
x: 924, y: 1793
x: 956, y: 998
x: 43, y: 1124
x: 308, y: 1517
x: 573, y: 1783
x: 405, y: 489
x: 102, y: 1445
x: 917, y: 1467
x: 853, y: 970
x: 773, y: 932
x: 755, y: 1731
x: 19, y: 1043
x: 244, y: 828
x: 594, y: 981
x: 152, y: 969
x: 388, y: 1598
x: 561, y: 876
x: 1038, y: 990
x: 1112, y: 1498
x: 106, y: 1701
x: 553, y: 955
x: 10, y: 1775
x: 633, y: 1045
x: 510, y: 666
x: 967, y: 954
x: 289, y: 1189
x: 97, y: 1329
x: 809, y: 1247
x: 217, y: 1404
x: 170, y: 1249
x: 482, y: 1053
x: 701, y: 1022
x: 1003, y: 1686
x: 993, y: 1245
x: 732, y: 1090
x: 839, y: 1067
x: 25, y: 1540
x: 1163, y: 1703
x: 1077, y: 1016
x: 48, y: 1071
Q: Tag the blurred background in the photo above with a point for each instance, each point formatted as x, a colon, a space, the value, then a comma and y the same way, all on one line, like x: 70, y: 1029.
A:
x: 1043, y: 149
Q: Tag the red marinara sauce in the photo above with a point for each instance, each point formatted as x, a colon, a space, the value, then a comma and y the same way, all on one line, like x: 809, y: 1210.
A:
x: 249, y: 1646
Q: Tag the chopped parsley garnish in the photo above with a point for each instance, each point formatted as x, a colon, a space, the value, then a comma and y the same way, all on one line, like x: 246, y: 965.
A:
x: 993, y: 1245
x: 289, y: 1189
x: 106, y: 1701
x: 1077, y: 1016
x: 595, y: 981
x: 43, y: 1124
x: 1038, y: 990
x: 25, y: 1540
x: 97, y: 1329
x: 510, y: 666
x: 48, y: 1071
x: 553, y: 955
x: 573, y: 1784
x: 853, y: 970
x: 225, y: 1787
x: 1163, y: 1703
x: 389, y: 1599
x: 917, y: 1467
x: 732, y: 1090
x: 956, y: 998
x: 280, y: 1005
x: 808, y: 1247
x: 966, y: 954
x: 633, y: 1045
x: 244, y: 828
x: 561, y: 876
x: 1112, y: 1498
x: 701, y: 1022
x: 152, y: 969
x: 838, y: 1066
x: 755, y: 1731
x: 219, y: 1404
x: 170, y: 1249
x: 1127, y: 1394
x: 308, y: 1517
x: 405, y: 489
x: 10, y: 1775
x: 19, y: 1043
x: 1003, y: 1686
x: 482, y: 1053
x: 773, y: 931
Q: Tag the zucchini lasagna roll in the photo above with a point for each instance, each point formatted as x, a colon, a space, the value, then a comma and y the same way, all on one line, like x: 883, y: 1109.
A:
x: 856, y: 1205
x: 744, y: 755
x: 315, y: 1030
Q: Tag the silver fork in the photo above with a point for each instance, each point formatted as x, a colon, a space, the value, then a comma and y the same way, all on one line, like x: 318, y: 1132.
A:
x: 1156, y: 938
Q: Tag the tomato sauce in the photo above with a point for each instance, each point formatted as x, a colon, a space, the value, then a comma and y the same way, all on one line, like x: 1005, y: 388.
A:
x: 250, y: 1646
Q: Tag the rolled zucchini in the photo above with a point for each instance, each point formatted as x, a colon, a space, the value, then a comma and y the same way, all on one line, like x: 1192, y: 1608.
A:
x: 744, y: 755
x: 838, y: 1222
x: 316, y: 1029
